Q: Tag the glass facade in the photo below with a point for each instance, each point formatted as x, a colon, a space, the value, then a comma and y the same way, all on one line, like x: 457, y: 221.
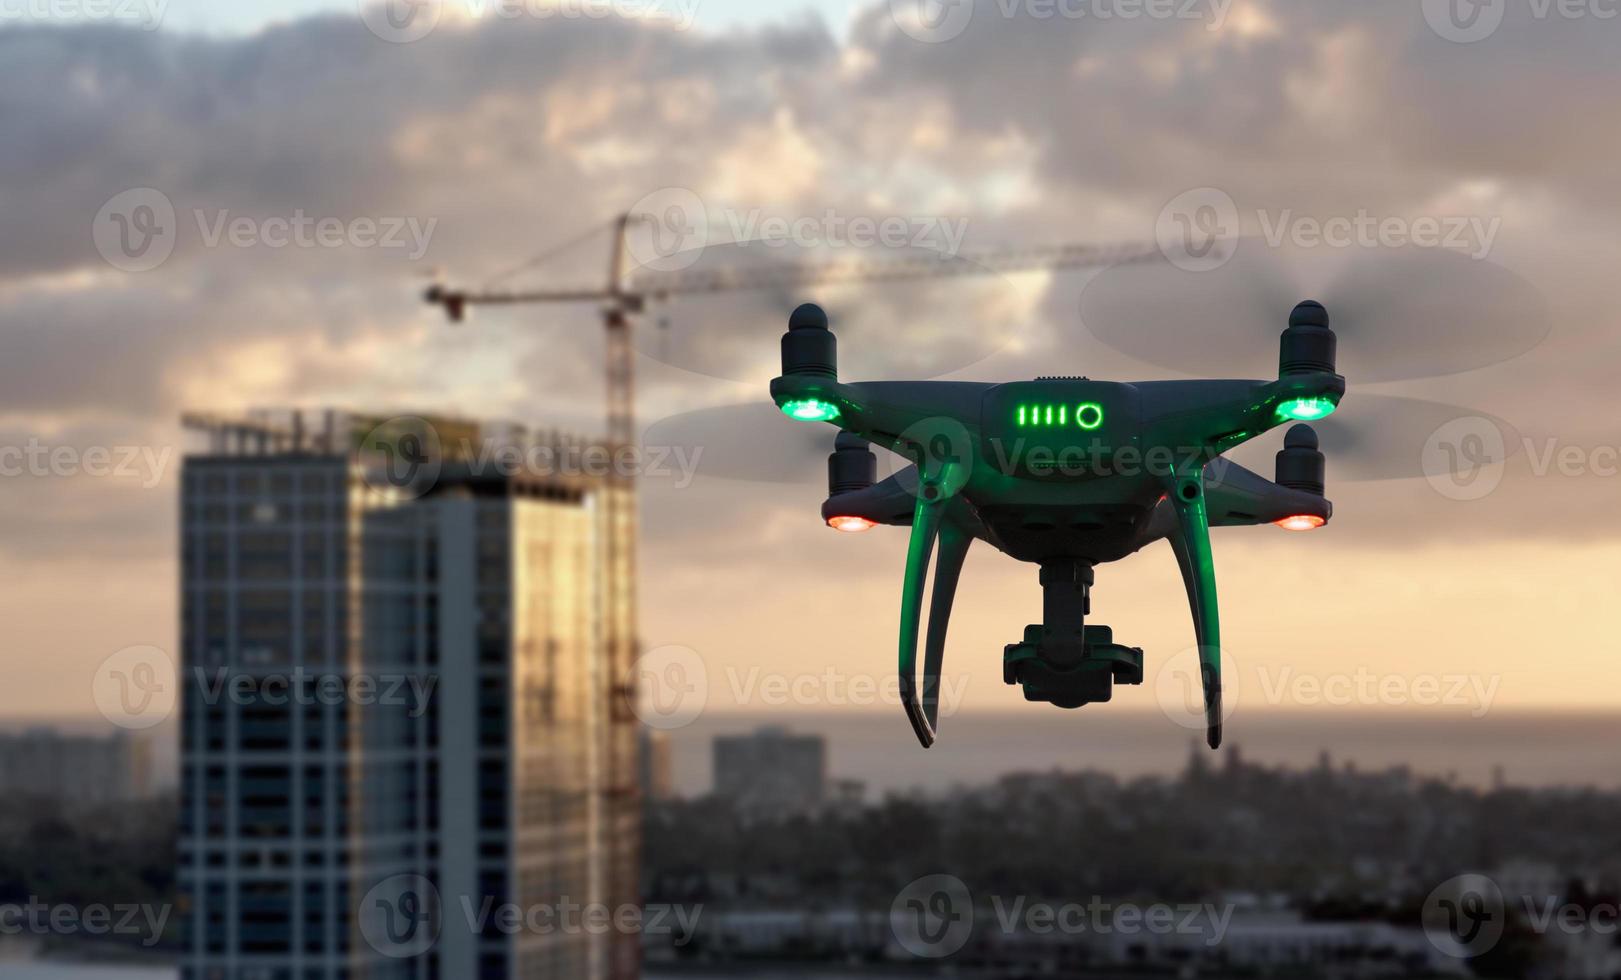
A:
x: 379, y: 687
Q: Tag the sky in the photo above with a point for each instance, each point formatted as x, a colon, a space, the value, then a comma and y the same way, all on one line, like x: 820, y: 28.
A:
x: 248, y: 16
x: 489, y: 139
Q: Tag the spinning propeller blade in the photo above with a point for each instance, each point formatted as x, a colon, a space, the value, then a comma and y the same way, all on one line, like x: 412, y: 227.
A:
x: 747, y: 443
x: 1400, y: 313
x: 921, y: 313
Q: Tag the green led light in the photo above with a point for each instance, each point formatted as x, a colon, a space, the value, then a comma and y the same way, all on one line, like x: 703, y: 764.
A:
x: 811, y: 410
x: 1306, y: 409
x: 1086, y: 415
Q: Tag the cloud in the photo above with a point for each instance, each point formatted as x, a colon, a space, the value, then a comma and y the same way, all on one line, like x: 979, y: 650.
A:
x: 512, y: 135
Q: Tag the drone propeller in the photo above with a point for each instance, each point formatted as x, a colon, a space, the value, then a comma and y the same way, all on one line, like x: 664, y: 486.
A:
x: 1400, y: 313
x: 1371, y: 437
x: 915, y: 326
x: 746, y: 443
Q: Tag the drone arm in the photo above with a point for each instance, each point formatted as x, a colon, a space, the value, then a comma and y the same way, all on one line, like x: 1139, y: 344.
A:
x: 926, y: 528
x: 884, y: 413
x: 1238, y: 497
x: 1191, y: 542
x: 1219, y: 415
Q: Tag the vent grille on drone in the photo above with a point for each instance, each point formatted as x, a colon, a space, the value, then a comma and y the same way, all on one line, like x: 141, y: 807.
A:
x: 1062, y: 377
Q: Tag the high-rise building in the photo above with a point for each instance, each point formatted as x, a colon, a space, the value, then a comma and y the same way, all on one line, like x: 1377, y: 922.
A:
x: 399, y: 714
x: 657, y: 765
x: 74, y: 769
x: 771, y: 771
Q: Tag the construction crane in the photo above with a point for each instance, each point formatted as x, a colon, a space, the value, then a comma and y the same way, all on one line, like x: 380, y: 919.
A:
x: 621, y: 298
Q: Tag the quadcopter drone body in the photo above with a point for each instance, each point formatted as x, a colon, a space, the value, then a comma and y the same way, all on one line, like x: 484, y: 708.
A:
x: 1068, y: 474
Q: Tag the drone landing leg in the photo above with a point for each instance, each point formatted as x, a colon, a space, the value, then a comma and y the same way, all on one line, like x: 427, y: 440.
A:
x: 926, y: 527
x: 954, y: 544
x: 1191, y: 542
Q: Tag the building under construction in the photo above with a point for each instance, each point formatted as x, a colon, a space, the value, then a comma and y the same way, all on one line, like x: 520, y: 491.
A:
x: 345, y: 837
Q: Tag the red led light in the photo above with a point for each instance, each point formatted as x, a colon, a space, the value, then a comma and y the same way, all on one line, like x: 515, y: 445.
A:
x: 850, y: 525
x: 1301, y: 522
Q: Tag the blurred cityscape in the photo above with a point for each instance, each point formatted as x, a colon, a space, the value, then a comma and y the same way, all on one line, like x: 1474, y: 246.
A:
x: 394, y: 760
x: 1228, y: 869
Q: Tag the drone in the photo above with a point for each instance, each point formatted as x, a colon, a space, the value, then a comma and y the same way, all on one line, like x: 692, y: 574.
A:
x: 1066, y: 473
